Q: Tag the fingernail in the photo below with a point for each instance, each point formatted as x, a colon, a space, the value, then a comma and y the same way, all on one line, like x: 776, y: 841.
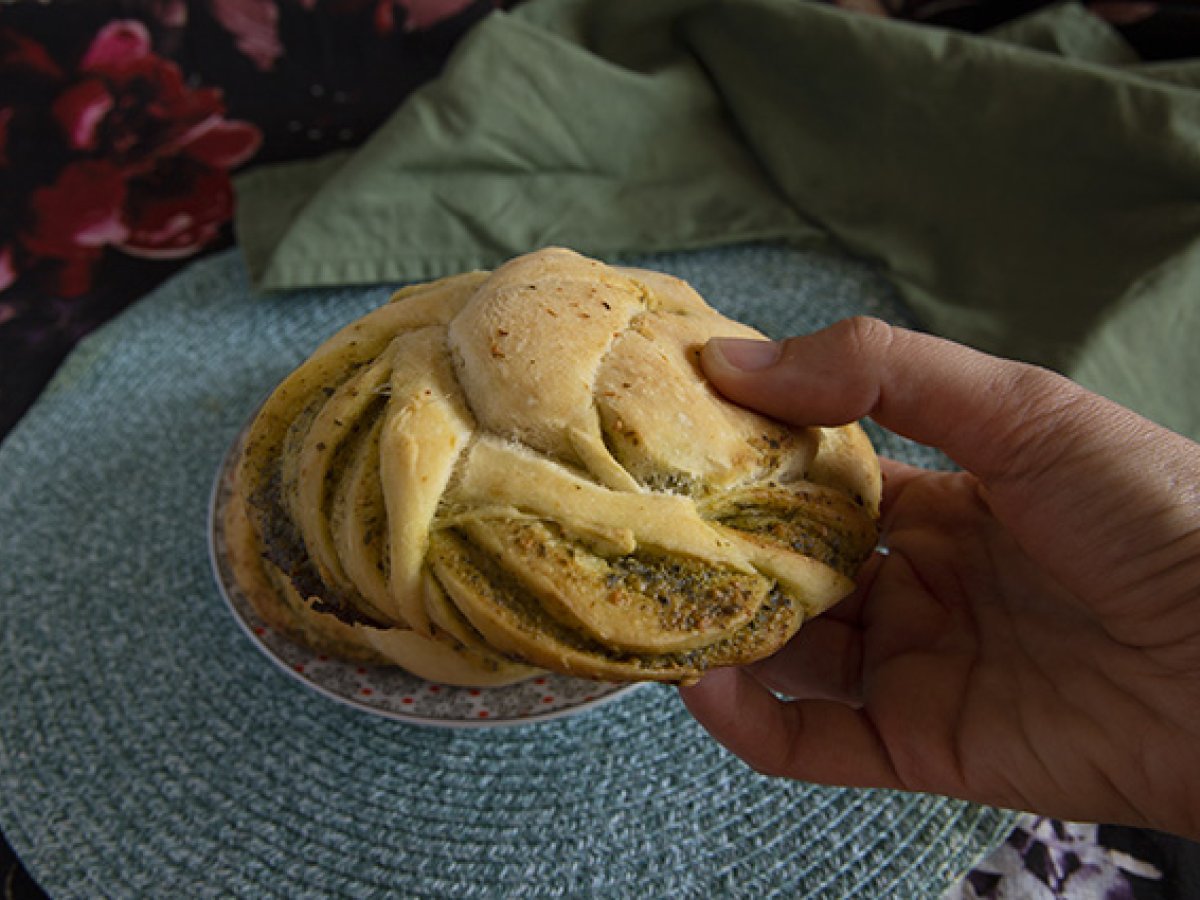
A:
x: 747, y: 354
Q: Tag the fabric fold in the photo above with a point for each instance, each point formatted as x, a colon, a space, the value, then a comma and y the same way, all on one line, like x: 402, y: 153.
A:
x: 1019, y: 189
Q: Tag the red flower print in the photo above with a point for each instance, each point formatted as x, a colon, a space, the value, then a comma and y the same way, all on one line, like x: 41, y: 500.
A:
x: 153, y: 113
x: 80, y: 109
x: 74, y: 219
x: 80, y: 213
x: 174, y: 223
x: 222, y: 144
x: 143, y: 165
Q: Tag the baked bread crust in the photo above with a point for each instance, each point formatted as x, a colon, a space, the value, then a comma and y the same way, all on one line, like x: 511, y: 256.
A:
x: 528, y: 468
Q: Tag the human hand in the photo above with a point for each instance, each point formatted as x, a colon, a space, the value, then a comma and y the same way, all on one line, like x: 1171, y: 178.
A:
x: 1032, y: 637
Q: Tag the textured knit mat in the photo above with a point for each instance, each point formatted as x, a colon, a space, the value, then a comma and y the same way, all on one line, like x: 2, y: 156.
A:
x: 147, y: 748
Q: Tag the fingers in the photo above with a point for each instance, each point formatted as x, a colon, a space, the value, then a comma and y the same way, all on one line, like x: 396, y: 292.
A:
x: 813, y: 740
x: 822, y: 662
x: 896, y: 477
x: 928, y: 389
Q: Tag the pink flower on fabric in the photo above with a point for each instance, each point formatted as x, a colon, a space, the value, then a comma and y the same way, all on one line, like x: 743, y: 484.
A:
x: 148, y: 158
x: 153, y: 112
x: 117, y: 46
x: 254, y: 25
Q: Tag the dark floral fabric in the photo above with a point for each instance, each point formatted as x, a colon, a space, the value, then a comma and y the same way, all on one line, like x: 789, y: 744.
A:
x: 122, y: 122
x: 113, y: 152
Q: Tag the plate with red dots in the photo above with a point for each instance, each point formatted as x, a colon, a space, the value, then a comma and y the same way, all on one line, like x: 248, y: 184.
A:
x: 387, y: 690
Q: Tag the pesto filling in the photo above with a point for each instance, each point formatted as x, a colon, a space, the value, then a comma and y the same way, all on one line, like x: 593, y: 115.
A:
x: 772, y: 625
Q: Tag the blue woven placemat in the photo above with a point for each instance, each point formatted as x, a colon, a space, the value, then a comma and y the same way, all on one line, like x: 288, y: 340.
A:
x: 148, y: 749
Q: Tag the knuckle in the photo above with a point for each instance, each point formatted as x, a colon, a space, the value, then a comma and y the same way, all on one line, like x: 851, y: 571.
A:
x: 868, y: 345
x: 867, y: 336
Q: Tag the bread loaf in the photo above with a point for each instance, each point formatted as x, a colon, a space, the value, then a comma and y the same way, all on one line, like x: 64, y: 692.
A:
x: 502, y: 472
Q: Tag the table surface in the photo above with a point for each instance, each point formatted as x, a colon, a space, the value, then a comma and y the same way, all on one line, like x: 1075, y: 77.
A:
x: 1041, y: 850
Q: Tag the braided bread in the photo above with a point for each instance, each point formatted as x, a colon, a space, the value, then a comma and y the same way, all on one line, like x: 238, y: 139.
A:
x: 501, y: 472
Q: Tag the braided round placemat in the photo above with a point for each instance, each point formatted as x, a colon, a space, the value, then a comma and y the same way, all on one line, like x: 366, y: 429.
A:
x: 147, y: 748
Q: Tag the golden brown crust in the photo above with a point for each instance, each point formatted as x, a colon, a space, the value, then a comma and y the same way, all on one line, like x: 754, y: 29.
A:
x: 530, y: 464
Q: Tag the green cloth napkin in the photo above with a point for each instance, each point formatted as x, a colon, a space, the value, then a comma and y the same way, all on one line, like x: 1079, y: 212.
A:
x: 1034, y: 192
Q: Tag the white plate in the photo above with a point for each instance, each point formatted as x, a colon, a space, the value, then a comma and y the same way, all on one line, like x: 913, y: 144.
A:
x: 389, y: 691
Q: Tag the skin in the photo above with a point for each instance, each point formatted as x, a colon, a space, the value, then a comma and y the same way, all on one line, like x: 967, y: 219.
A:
x: 1032, y: 639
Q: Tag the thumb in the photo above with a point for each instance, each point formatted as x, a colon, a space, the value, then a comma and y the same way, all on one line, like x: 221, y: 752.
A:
x: 928, y: 389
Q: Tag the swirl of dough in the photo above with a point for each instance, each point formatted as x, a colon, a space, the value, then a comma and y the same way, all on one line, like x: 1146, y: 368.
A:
x: 522, y: 469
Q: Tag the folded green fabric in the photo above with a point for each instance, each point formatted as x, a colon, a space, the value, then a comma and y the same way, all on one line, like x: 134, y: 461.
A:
x: 1035, y: 192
